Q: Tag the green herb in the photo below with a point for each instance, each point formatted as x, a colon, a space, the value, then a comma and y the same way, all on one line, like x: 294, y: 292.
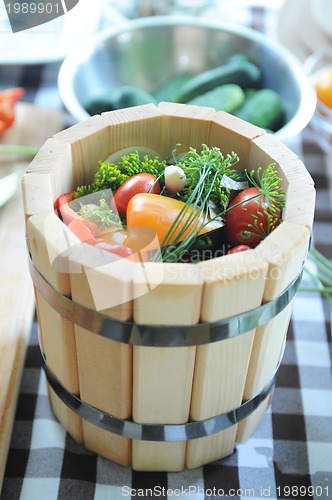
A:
x: 268, y: 185
x: 200, y: 197
x: 101, y: 215
x: 322, y: 278
x: 194, y: 212
x: 111, y: 176
x: 192, y: 163
x: 132, y: 164
x: 108, y: 176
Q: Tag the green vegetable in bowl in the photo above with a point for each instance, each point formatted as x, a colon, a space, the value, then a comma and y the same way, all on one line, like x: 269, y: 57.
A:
x: 243, y: 73
x: 263, y: 108
x: 226, y: 97
x: 168, y: 91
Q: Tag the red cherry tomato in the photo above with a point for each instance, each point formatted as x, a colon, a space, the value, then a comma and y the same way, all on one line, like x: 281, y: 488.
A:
x: 249, y: 218
x: 78, y: 227
x: 139, y: 183
x: 239, y: 248
x: 68, y: 214
x: 65, y: 211
x: 120, y: 250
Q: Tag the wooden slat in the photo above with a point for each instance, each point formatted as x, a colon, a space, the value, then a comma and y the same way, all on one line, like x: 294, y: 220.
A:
x: 285, y: 251
x: 296, y: 181
x: 232, y: 284
x: 184, y: 124
x: 296, y: 210
x: 104, y: 366
x: 89, y: 142
x: 48, y: 239
x: 48, y: 176
x: 230, y: 133
x: 140, y: 125
x: 162, y: 377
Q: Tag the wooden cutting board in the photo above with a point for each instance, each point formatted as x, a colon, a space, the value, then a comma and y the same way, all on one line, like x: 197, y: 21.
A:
x: 32, y: 127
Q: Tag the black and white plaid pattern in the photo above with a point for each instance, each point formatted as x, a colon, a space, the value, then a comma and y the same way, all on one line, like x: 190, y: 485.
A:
x: 290, y: 454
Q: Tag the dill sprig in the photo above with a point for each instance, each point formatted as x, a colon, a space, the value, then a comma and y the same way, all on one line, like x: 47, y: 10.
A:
x: 268, y: 217
x: 192, y: 162
x: 268, y: 184
x: 101, y: 215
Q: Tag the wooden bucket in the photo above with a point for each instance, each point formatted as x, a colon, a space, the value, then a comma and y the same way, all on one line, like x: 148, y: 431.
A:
x: 181, y: 365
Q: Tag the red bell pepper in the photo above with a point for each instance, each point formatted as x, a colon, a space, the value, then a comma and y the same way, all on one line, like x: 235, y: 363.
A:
x: 8, y: 99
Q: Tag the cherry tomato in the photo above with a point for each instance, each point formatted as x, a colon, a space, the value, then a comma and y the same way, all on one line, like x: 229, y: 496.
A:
x: 139, y: 183
x: 323, y: 85
x: 78, y: 227
x: 120, y: 250
x: 239, y: 248
x: 249, y: 218
x: 62, y: 206
x: 68, y: 214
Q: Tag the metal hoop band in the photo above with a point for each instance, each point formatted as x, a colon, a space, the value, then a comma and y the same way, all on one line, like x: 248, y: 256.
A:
x: 156, y: 432
x: 132, y: 333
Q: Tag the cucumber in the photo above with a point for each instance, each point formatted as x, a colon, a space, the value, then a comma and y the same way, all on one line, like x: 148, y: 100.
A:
x: 250, y: 93
x: 264, y: 109
x: 226, y: 97
x: 128, y: 96
x: 118, y: 98
x: 243, y: 73
x: 168, y: 90
x: 238, y: 57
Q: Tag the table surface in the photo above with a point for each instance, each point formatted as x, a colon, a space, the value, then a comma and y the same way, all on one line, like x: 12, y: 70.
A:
x: 289, y: 455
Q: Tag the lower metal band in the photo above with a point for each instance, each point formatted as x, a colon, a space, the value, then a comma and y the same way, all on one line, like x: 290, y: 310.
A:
x: 156, y: 432
x: 132, y: 333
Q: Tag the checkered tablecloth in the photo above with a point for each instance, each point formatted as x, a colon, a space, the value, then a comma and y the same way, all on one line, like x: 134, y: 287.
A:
x: 290, y: 454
